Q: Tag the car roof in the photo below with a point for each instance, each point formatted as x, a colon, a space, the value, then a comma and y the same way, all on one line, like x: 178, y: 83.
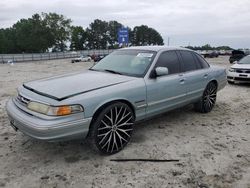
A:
x: 155, y: 48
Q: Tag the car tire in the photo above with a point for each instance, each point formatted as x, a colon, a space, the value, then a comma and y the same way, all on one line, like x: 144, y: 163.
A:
x: 111, y: 130
x: 208, y: 99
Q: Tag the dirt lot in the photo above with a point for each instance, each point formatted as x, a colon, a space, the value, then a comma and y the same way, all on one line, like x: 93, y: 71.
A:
x: 213, y: 148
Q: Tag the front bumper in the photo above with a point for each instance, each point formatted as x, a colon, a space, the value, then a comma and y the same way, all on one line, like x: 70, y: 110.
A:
x: 238, y: 77
x: 48, y: 130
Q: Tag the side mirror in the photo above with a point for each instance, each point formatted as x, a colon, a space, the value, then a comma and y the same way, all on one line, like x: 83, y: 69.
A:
x: 161, y: 71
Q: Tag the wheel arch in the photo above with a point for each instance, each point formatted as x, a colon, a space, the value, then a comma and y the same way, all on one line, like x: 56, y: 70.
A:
x: 107, y: 103
x: 214, y: 81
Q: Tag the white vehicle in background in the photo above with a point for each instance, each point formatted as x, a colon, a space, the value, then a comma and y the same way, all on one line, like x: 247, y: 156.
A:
x: 240, y: 71
x: 83, y: 58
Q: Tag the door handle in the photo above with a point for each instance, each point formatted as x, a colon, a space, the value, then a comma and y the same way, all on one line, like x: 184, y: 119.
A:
x: 182, y: 80
x: 205, y: 75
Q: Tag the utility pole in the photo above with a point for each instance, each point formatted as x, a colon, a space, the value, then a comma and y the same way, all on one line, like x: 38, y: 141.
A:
x: 168, y: 41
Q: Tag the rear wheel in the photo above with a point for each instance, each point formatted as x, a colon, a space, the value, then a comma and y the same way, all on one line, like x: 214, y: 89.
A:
x: 112, y: 129
x: 208, y: 99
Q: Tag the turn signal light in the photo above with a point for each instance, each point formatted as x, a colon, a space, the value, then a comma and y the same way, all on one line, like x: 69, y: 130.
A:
x: 63, y: 110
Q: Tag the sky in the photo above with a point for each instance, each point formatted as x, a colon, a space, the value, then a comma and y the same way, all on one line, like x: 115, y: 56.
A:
x: 184, y: 22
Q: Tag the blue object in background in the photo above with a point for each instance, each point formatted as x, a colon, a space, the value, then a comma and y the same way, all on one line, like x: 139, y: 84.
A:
x: 123, y: 36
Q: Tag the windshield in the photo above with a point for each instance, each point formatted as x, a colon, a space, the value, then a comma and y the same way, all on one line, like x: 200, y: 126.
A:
x: 127, y: 62
x: 245, y: 60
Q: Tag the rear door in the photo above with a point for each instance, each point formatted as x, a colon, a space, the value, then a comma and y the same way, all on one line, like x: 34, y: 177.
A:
x: 196, y: 74
x: 166, y: 92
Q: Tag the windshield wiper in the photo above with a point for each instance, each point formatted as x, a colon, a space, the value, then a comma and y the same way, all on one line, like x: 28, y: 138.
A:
x: 112, y: 71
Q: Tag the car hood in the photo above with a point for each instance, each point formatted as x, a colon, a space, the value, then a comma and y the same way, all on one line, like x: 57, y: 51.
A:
x: 69, y: 85
x: 241, y: 66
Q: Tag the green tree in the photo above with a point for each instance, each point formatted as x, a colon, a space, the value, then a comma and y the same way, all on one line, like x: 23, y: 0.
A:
x: 78, y: 38
x: 224, y: 48
x: 51, y: 30
x: 2, y: 41
x: 32, y: 35
x: 98, y: 35
x: 144, y: 35
x: 60, y: 28
x: 7, y: 41
x: 102, y: 35
x: 36, y: 34
x: 113, y: 27
x: 209, y: 47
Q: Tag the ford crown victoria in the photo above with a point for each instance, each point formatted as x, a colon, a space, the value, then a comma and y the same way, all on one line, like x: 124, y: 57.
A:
x: 103, y: 103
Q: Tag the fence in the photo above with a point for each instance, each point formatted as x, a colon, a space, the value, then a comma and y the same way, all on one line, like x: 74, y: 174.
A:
x: 4, y: 58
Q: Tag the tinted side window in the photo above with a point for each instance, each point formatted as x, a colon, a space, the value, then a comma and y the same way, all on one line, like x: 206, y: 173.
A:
x: 188, y: 61
x: 170, y: 60
x: 202, y: 61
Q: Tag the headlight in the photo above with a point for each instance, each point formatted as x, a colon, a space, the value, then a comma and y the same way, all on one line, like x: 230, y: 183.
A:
x: 54, y: 110
x: 231, y: 70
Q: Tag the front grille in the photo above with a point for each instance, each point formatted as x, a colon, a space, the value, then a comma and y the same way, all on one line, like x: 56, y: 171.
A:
x: 22, y: 100
x: 241, y: 79
x: 242, y: 70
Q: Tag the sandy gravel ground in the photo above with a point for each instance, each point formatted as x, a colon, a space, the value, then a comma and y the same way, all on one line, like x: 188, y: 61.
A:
x: 213, y: 149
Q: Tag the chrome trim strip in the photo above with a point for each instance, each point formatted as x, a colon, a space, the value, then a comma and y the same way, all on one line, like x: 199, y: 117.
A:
x: 165, y: 100
x: 196, y: 91
x: 141, y: 106
x: 173, y: 98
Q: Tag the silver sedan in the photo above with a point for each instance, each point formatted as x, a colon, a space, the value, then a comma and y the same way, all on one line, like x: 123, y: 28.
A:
x: 103, y: 103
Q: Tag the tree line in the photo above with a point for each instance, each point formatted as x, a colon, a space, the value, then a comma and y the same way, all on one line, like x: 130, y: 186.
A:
x: 51, y: 31
x: 209, y: 47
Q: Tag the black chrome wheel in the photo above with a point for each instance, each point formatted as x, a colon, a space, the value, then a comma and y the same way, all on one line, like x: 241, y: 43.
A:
x: 208, y: 100
x: 113, y: 128
x: 209, y: 97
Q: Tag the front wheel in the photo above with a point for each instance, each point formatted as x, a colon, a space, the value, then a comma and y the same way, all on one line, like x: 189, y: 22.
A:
x: 208, y: 99
x: 112, y: 129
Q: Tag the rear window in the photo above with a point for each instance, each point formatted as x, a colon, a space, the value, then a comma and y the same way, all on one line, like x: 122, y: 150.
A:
x: 188, y: 61
x: 201, y: 61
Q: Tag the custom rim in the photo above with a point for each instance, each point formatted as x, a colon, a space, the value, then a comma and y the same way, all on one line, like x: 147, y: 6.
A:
x: 115, y: 129
x: 210, y: 96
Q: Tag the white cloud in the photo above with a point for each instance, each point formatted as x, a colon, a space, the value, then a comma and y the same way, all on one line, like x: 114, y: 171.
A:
x: 224, y: 22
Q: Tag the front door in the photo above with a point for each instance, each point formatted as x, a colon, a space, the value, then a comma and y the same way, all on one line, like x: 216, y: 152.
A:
x: 168, y: 91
